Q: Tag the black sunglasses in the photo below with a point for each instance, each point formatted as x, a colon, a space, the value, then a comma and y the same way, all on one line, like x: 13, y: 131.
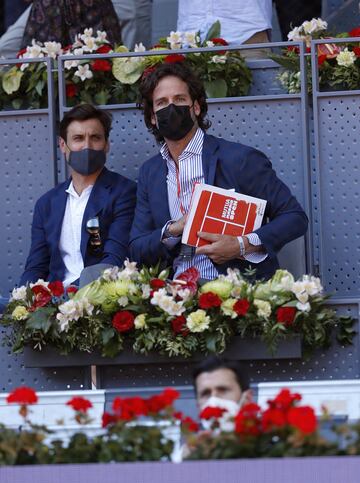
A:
x: 93, y: 229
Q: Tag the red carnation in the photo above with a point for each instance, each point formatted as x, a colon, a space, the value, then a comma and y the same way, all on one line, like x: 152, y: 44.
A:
x: 241, y: 307
x: 101, y: 65
x: 104, y: 49
x: 356, y: 51
x: 157, y: 283
x: 303, y: 418
x: 22, y: 395
x: 56, y: 288
x: 355, y: 32
x: 80, y: 404
x: 210, y: 413
x: 123, y: 321
x: 285, y: 315
x: 208, y: 300
x: 178, y: 325
x: 173, y: 58
x: 71, y: 90
x: 42, y: 297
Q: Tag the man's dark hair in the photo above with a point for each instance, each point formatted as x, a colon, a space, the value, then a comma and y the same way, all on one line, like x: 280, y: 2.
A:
x: 195, y: 86
x: 83, y: 112
x: 214, y: 363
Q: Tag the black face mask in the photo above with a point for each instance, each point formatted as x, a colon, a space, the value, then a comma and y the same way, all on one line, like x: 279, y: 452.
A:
x: 87, y: 161
x: 174, y: 122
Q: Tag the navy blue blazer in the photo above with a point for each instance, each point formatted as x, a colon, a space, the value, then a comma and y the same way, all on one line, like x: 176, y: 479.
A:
x: 112, y: 199
x: 227, y: 165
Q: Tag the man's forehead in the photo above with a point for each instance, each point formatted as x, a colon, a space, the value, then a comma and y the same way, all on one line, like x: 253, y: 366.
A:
x: 170, y: 85
x: 91, y: 126
x: 218, y: 377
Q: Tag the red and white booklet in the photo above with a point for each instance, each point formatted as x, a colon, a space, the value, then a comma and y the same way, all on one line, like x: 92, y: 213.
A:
x: 221, y: 211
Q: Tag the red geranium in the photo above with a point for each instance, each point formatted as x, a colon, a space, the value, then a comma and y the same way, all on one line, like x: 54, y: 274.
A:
x: 190, y: 424
x: 104, y: 49
x: 71, y: 90
x: 129, y: 408
x: 42, y: 297
x: 157, y: 403
x: 101, y: 65
x: 157, y: 283
x: 173, y: 58
x: 79, y: 403
x: 107, y: 419
x: 209, y: 413
x: 286, y: 315
x: 178, y: 325
x: 273, y: 418
x: 22, y: 395
x: 241, y: 307
x: 247, y: 421
x: 123, y: 321
x: 293, y: 48
x: 208, y: 300
x: 355, y: 32
x: 170, y: 395
x: 303, y: 418
x: 284, y: 400
x: 56, y: 288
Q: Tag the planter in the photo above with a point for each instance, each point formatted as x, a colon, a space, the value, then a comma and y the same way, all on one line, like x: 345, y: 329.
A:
x: 238, y: 349
x: 344, y: 469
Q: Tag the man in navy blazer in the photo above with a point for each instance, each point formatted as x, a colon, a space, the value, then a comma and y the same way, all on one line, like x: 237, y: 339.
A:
x: 87, y: 219
x: 174, y: 104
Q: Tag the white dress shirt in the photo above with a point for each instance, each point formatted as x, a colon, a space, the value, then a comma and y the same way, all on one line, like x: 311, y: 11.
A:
x: 70, y: 237
x: 191, y: 172
x: 239, y: 19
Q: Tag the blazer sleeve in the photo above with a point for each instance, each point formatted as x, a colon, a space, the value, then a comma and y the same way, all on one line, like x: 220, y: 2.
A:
x: 38, y: 261
x: 287, y: 219
x: 145, y: 245
x: 116, y: 244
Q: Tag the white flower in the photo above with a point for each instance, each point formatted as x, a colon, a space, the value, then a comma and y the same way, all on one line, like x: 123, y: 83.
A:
x: 198, y: 321
x: 167, y: 303
x: 130, y: 271
x: 69, y: 64
x: 79, y: 51
x: 263, y: 308
x: 185, y: 294
x: 140, y: 322
x: 227, y: 308
x: 84, y: 72
x: 18, y: 293
x: 346, y: 58
x: 175, y: 40
x: 72, y: 311
x: 312, y: 285
x: 314, y: 25
x: 111, y: 274
x: 218, y: 59
x: 303, y: 307
x: 101, y: 36
x: 302, y: 297
x: 209, y: 43
x: 190, y: 39
x: 139, y: 47
x: 295, y: 34
x: 40, y: 282
x: 52, y: 49
x: 35, y: 50
x: 146, y: 290
x: 87, y: 34
x: 123, y: 301
x: 90, y: 44
x: 20, y: 313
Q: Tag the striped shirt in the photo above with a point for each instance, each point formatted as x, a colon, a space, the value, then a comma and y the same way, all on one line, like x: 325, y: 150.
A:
x: 180, y: 182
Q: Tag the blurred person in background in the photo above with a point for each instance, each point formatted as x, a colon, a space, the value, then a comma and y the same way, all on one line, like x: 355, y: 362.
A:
x: 135, y: 17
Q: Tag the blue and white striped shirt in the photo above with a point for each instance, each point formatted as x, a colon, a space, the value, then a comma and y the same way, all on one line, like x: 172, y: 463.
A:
x: 190, y: 171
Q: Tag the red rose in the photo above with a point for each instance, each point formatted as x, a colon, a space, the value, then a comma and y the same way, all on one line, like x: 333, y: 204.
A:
x: 104, y: 49
x: 56, y: 288
x: 71, y: 90
x: 355, y: 32
x: 157, y: 283
x: 42, y: 297
x: 241, y: 307
x: 247, y: 421
x: 356, y: 51
x: 123, y: 321
x: 71, y: 289
x: 302, y: 418
x: 108, y: 419
x: 79, y: 404
x: 273, y: 418
x: 284, y: 399
x: 218, y: 41
x: 173, y: 58
x: 190, y: 424
x: 101, y: 65
x: 22, y: 395
x: 209, y: 413
x: 285, y: 315
x: 178, y: 325
x: 208, y: 300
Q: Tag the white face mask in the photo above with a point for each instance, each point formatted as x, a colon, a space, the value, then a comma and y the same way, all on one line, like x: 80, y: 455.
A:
x: 226, y: 421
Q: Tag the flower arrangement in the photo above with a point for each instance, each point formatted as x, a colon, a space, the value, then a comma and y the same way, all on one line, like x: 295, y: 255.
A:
x: 142, y: 309
x: 339, y: 64
x: 125, y: 436
x: 116, y: 80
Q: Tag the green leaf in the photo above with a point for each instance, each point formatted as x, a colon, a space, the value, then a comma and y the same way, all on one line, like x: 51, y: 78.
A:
x: 216, y: 88
x: 17, y: 103
x: 107, y: 335
x: 102, y: 97
x: 40, y: 319
x: 214, y: 31
x: 39, y: 87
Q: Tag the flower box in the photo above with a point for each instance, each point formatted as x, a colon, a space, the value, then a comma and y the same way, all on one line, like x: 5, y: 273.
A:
x: 344, y: 469
x: 239, y: 349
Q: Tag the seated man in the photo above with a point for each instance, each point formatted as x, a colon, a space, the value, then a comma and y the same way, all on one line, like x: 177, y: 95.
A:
x: 175, y: 108
x: 217, y: 379
x: 87, y: 219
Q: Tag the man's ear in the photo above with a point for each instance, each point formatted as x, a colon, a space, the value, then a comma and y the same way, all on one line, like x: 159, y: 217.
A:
x: 246, y: 397
x: 62, y: 145
x: 153, y: 118
x: 107, y: 146
x: 197, y: 108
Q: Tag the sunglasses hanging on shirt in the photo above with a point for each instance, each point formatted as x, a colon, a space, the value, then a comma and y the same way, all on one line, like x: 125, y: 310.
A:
x: 93, y: 229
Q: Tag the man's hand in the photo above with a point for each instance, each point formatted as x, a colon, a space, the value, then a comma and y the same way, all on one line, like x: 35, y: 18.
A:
x: 222, y: 248
x: 176, y: 228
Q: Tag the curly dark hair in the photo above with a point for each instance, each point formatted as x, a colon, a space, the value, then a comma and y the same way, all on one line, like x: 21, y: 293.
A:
x: 83, y: 112
x: 151, y: 80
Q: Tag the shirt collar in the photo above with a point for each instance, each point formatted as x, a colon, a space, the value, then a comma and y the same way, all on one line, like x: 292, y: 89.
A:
x: 71, y: 190
x: 194, y: 146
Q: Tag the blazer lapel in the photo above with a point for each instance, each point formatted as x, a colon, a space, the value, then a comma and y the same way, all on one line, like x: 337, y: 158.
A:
x: 209, y: 158
x: 159, y: 191
x: 58, y: 205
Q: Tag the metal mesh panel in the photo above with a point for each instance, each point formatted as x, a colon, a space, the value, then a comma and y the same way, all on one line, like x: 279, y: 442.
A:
x: 339, y: 173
